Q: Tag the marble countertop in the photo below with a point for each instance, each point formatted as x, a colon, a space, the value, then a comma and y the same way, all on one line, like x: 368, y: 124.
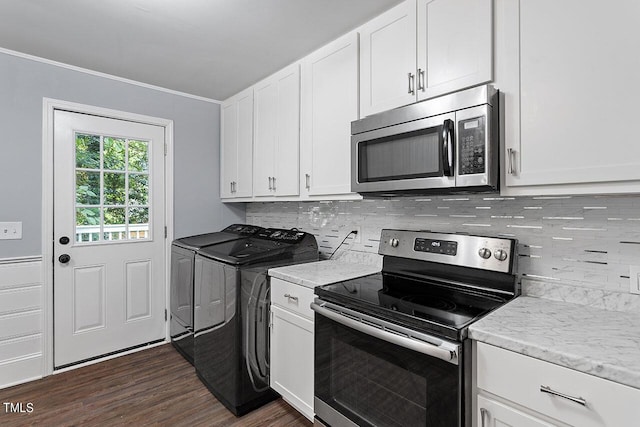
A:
x: 322, y: 272
x: 602, y: 343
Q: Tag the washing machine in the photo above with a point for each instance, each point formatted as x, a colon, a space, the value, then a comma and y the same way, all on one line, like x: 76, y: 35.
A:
x: 231, y: 314
x: 183, y: 253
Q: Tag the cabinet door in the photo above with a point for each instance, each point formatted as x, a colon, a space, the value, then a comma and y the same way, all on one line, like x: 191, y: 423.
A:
x: 495, y: 414
x: 388, y: 59
x: 576, y: 93
x: 244, y: 178
x: 277, y: 134
x: 287, y: 160
x: 455, y: 45
x: 292, y: 359
x: 264, y: 134
x: 329, y: 105
x: 228, y: 148
x: 236, y: 146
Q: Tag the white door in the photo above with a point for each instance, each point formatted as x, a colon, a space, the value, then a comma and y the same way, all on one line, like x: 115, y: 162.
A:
x: 109, y: 202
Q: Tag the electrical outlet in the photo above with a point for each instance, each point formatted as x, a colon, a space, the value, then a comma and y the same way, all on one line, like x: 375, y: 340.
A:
x: 634, y: 279
x: 358, y: 237
x: 10, y: 230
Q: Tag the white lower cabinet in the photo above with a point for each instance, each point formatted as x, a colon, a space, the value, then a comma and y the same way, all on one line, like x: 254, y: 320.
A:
x: 517, y: 390
x: 492, y: 413
x: 292, y: 344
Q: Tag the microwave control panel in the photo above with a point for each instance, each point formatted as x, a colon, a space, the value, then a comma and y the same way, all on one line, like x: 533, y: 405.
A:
x: 472, y: 154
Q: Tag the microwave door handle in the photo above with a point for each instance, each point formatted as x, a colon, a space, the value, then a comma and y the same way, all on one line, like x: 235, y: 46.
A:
x: 447, y: 147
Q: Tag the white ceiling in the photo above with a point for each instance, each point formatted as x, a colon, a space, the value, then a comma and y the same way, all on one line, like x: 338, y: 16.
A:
x: 209, y: 48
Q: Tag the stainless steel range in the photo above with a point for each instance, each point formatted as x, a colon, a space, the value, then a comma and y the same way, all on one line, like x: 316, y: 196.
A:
x: 391, y: 349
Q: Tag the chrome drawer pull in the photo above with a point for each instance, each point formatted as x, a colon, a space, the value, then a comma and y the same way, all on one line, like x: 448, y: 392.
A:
x: 291, y: 297
x: 578, y: 400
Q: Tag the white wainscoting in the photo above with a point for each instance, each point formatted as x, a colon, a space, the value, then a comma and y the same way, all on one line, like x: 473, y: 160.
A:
x: 21, y: 320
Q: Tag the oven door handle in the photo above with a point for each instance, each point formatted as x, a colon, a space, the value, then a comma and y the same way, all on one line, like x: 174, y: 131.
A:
x: 445, y: 350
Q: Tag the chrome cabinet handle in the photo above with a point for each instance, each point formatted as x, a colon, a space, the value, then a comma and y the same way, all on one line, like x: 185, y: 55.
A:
x: 270, y: 185
x: 234, y: 186
x: 447, y: 147
x: 289, y: 296
x: 308, y: 181
x: 231, y: 186
x: 483, y: 413
x: 421, y: 81
x: 274, y: 183
x: 411, y: 77
x: 578, y: 400
x: 511, y: 158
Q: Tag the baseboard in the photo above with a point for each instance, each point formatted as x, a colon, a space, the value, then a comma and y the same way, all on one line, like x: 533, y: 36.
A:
x: 19, y: 371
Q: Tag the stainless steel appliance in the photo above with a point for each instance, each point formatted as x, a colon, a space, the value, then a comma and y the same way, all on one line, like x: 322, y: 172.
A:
x: 441, y: 145
x: 183, y: 253
x: 391, y: 349
x: 231, y: 314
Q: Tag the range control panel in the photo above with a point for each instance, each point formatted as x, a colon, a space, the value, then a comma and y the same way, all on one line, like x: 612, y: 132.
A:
x: 487, y: 253
x: 444, y: 247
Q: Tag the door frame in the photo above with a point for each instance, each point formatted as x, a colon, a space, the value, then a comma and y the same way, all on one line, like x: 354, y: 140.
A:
x: 49, y: 106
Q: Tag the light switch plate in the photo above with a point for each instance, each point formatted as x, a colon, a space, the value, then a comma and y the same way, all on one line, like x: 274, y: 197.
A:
x: 10, y: 230
x: 634, y: 279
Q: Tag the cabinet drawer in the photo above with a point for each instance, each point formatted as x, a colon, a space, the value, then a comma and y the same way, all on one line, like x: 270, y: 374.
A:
x: 519, y: 378
x: 298, y: 300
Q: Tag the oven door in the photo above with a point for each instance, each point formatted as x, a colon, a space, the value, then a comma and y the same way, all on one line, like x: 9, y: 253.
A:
x: 410, y: 156
x: 369, y: 372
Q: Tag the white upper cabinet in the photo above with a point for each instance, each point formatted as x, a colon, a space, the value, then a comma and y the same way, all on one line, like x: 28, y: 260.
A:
x: 329, y: 105
x: 236, y: 147
x: 424, y: 48
x: 455, y: 45
x: 569, y: 73
x: 276, y: 144
x: 388, y: 59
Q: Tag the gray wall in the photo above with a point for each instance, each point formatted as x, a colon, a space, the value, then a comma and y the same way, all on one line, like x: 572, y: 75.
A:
x: 23, y: 85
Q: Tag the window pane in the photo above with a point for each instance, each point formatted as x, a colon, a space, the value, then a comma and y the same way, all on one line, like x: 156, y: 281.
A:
x: 138, y: 156
x: 114, y: 153
x: 88, y: 216
x: 138, y: 189
x: 114, y: 189
x: 138, y: 215
x: 87, y: 151
x: 87, y: 188
x: 87, y: 224
x: 138, y: 223
x: 114, y: 216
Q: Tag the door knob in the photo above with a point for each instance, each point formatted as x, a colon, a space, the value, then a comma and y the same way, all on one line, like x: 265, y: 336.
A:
x: 64, y: 258
x: 64, y: 240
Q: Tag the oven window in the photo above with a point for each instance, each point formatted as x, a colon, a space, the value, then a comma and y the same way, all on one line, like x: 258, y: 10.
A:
x: 376, y: 383
x: 409, y: 155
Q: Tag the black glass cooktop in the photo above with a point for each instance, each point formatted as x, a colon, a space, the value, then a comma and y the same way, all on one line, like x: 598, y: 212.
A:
x: 430, y: 306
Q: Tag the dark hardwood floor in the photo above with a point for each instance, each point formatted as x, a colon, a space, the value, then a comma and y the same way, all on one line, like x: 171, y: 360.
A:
x: 152, y: 387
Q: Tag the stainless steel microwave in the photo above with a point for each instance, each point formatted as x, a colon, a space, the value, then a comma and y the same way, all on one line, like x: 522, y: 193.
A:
x: 442, y: 145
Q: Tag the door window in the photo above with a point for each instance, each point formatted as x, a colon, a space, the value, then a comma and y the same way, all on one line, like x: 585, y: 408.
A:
x: 112, y: 189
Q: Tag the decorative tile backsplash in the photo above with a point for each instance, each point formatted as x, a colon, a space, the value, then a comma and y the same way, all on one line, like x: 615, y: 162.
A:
x: 588, y: 242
